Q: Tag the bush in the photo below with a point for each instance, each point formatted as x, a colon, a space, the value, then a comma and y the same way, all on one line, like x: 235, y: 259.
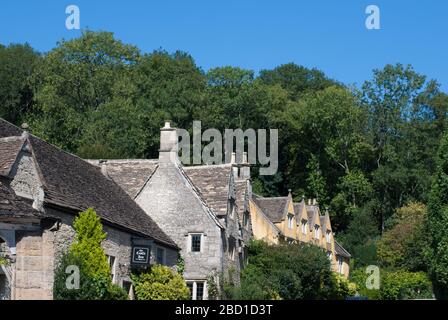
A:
x: 342, y: 288
x: 160, y: 283
x: 289, y: 271
x: 86, y: 253
x: 395, y: 285
x: 405, y: 285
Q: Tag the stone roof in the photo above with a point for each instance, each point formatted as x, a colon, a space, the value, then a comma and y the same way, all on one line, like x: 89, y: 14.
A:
x: 130, y: 175
x: 73, y: 183
x: 12, y: 207
x: 211, y: 181
x: 274, y: 207
x: 10, y: 147
x: 213, y: 184
x: 340, y: 251
x: 298, y: 207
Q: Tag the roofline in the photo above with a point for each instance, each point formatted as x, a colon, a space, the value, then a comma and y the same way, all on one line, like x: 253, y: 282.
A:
x: 266, y: 217
x: 75, y: 211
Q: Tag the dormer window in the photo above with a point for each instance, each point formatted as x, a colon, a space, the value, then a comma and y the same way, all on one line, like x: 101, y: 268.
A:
x: 316, y: 231
x: 328, y: 236
x: 290, y: 221
x: 304, y: 225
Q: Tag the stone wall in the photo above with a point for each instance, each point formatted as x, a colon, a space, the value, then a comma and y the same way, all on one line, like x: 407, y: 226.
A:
x: 171, y: 202
x: 33, y: 267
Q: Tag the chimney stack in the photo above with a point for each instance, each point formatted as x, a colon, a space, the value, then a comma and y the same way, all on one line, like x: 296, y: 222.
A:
x: 168, y: 144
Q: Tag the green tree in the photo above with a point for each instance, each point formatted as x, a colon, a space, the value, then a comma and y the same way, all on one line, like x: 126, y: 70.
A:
x: 297, y: 80
x: 90, y: 259
x: 160, y: 283
x: 74, y: 80
x: 399, y: 119
x: 402, y: 246
x: 438, y: 222
x: 17, y: 63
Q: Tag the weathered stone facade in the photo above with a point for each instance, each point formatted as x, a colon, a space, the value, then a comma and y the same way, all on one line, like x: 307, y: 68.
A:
x: 207, y: 200
x: 37, y: 210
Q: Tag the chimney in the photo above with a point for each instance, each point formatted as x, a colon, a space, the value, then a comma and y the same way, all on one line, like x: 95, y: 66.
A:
x: 314, y: 201
x: 168, y: 144
x: 245, y: 168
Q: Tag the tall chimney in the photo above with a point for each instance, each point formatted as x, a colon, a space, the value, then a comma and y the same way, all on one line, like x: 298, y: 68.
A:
x: 168, y: 144
x: 245, y: 168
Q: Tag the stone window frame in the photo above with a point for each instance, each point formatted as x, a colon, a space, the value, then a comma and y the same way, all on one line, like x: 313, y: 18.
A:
x: 340, y: 265
x: 190, y: 241
x: 328, y: 236
x: 316, y: 231
x: 113, y: 266
x: 290, y: 221
x: 304, y: 225
x: 194, y: 287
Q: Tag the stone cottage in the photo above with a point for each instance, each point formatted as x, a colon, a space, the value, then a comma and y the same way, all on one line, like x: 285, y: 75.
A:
x: 279, y: 219
x: 42, y: 189
x: 204, y: 209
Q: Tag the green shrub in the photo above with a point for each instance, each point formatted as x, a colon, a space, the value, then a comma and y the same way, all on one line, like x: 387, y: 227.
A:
x: 160, y: 283
x: 288, y: 271
x: 394, y: 285
x: 342, y: 287
x: 405, y: 285
x: 86, y: 253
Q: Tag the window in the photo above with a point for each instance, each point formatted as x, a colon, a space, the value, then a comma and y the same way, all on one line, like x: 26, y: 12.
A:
x: 340, y: 265
x: 127, y: 286
x: 304, y: 225
x: 328, y: 236
x: 190, y: 287
x: 245, y: 220
x: 290, y: 221
x: 329, y: 255
x: 197, y: 290
x: 111, y: 261
x: 232, y: 248
x: 316, y: 232
x: 160, y: 255
x: 196, y: 240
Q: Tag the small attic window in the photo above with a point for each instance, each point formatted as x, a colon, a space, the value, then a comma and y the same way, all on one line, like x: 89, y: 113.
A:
x: 290, y: 221
x: 328, y: 236
x: 316, y: 231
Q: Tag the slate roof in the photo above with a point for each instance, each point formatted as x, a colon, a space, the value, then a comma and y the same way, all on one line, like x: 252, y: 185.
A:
x: 130, y: 175
x: 12, y: 206
x: 274, y: 207
x: 340, y: 250
x: 10, y: 148
x: 298, y: 207
x: 73, y: 183
x: 213, y: 184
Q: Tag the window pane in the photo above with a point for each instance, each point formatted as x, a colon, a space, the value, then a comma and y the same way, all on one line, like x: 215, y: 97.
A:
x: 190, y: 287
x: 199, y: 290
x: 160, y: 255
x: 196, y: 242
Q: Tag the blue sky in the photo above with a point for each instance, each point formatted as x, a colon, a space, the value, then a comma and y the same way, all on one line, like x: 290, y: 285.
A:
x: 254, y: 34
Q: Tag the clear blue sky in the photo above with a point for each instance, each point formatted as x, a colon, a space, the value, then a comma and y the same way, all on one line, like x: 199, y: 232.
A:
x: 254, y: 34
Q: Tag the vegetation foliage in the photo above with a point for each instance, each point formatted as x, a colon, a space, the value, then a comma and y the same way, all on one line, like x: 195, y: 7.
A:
x: 86, y: 253
x: 362, y: 152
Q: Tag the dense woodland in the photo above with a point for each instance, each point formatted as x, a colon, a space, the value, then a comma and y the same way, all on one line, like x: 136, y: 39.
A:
x: 369, y: 154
